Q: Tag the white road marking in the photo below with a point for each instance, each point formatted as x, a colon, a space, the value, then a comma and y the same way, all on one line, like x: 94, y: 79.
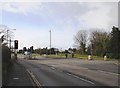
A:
x: 108, y: 72
x: 56, y: 69
x: 105, y: 72
x: 16, y: 78
x: 74, y: 75
x: 34, y: 79
x: 80, y: 78
x: 52, y: 65
x: 52, y: 68
x: 59, y: 70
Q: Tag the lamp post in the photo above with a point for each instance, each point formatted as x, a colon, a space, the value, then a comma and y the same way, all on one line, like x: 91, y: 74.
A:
x: 50, y: 41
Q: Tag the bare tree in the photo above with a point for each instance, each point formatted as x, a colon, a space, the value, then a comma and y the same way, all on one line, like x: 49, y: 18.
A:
x: 80, y: 40
x: 6, y: 34
x: 99, y: 41
x: 2, y: 33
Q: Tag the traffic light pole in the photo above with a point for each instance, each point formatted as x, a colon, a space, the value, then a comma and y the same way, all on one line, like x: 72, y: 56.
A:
x: 16, y: 47
x: 10, y: 43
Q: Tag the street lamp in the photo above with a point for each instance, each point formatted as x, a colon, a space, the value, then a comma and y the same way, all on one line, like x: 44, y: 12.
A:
x: 50, y: 41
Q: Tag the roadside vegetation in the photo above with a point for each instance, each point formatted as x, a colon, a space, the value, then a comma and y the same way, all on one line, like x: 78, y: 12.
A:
x: 97, y: 44
x: 60, y: 56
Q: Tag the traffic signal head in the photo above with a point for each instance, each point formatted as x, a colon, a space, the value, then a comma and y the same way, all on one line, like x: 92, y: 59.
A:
x: 16, y: 44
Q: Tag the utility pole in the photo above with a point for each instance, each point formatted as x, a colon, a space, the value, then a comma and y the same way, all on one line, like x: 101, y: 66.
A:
x: 10, y: 43
x: 10, y: 38
x: 50, y: 41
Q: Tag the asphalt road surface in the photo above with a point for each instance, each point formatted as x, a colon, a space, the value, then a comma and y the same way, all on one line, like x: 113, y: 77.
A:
x: 48, y: 75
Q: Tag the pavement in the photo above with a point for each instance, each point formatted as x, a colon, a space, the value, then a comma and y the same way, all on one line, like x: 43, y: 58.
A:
x: 18, y: 76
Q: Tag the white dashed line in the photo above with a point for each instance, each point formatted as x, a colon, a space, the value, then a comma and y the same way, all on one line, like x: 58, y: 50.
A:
x: 108, y: 72
x: 80, y: 78
x: 52, y: 65
x: 16, y: 78
x: 52, y: 68
x: 72, y: 75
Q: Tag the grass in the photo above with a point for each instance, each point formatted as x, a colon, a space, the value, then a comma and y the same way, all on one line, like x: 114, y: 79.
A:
x: 76, y: 56
x: 61, y: 55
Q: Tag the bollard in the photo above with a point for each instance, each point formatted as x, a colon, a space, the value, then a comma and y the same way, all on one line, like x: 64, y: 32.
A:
x: 105, y: 58
x: 89, y: 57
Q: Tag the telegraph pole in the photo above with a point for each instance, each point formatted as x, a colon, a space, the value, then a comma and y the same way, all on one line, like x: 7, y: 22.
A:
x: 9, y: 37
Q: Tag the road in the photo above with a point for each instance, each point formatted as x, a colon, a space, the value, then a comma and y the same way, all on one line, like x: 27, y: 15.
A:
x: 49, y: 76
x: 55, y: 72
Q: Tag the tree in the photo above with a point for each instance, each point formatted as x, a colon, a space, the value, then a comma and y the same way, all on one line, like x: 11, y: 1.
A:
x: 44, y: 50
x: 99, y: 42
x: 89, y: 49
x: 66, y: 51
x: 31, y: 49
x: 52, y: 50
x: 20, y: 51
x: 114, y: 44
x: 38, y: 51
x: 74, y: 50
x: 80, y: 41
x: 28, y: 50
x: 24, y: 49
x: 70, y: 50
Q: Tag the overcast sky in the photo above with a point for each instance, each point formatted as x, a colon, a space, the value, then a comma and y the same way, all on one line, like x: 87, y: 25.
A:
x: 33, y: 20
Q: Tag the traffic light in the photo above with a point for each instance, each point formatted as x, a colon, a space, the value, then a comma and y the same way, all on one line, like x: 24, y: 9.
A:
x: 31, y: 48
x: 16, y: 44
